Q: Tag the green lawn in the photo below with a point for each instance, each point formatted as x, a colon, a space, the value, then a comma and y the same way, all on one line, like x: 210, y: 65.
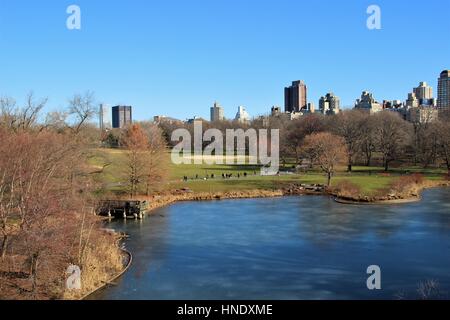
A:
x: 370, y: 179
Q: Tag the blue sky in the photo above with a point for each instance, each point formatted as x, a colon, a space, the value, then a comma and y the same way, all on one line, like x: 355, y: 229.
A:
x: 177, y: 57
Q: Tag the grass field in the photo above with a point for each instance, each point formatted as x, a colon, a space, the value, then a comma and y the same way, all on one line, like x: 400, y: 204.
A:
x: 370, y: 179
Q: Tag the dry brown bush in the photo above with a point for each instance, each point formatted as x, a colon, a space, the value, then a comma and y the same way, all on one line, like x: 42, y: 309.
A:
x: 405, y: 184
x: 347, y: 189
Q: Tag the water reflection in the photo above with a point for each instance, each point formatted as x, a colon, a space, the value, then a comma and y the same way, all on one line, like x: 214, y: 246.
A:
x: 285, y: 248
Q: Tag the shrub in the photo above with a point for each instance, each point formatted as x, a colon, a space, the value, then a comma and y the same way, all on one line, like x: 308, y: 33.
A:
x: 346, y: 188
x: 405, y: 183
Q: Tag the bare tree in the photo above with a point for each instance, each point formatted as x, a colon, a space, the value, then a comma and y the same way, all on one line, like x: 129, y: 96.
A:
x: 20, y: 118
x: 348, y: 124
x: 443, y: 142
x: 8, y: 107
x: 297, y: 130
x: 368, y: 139
x: 30, y: 112
x: 83, y: 108
x: 56, y: 120
x: 392, y: 136
x: 327, y: 151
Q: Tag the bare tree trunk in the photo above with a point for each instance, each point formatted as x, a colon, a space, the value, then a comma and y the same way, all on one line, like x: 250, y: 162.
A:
x: 368, y: 160
x: 350, y: 162
x: 329, y: 179
x: 4, y: 246
x: 33, y: 273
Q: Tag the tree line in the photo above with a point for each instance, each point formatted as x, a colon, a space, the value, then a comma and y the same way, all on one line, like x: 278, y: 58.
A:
x: 380, y: 139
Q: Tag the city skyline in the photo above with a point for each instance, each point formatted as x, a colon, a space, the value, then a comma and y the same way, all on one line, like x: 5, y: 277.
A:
x: 230, y: 52
x: 297, y: 103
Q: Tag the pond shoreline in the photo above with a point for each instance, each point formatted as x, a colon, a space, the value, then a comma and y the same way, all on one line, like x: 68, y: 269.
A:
x: 414, y: 195
x: 163, y: 200
x: 127, y: 266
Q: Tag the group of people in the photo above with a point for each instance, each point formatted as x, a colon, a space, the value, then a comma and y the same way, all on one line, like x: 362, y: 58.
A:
x: 224, y: 176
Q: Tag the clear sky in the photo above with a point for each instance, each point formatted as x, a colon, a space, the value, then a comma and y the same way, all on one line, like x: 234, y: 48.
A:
x: 177, y: 57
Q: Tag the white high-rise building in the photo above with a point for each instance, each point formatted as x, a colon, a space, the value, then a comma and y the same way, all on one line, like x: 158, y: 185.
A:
x: 242, y: 115
x: 105, y: 122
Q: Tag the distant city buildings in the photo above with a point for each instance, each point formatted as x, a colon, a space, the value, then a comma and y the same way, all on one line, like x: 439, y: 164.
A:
x: 288, y: 116
x: 217, y: 113
x: 104, y: 117
x: 165, y: 119
x: 242, y: 115
x: 368, y: 103
x: 195, y: 119
x: 121, y: 116
x: 296, y: 97
x: 310, y: 108
x: 329, y: 104
x: 443, y: 100
x: 420, y: 106
x: 396, y: 106
x: 392, y: 104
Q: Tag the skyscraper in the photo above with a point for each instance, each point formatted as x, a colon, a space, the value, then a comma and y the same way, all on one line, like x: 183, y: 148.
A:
x: 121, y: 116
x: 443, y: 101
x: 296, y: 97
x: 242, y: 115
x: 104, y: 117
x: 423, y: 91
x: 217, y: 113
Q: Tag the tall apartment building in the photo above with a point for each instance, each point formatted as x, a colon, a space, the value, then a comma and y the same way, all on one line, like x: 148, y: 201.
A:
x: 329, y: 104
x: 423, y: 91
x: 217, y: 113
x: 104, y: 117
x: 443, y: 100
x: 296, y: 97
x: 121, y: 116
